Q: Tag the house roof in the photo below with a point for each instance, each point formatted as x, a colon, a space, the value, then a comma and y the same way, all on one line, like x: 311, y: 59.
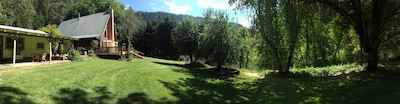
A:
x: 27, y: 32
x: 21, y: 30
x: 90, y: 26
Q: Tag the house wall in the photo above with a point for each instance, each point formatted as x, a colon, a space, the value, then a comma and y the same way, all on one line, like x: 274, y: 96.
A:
x: 30, y: 46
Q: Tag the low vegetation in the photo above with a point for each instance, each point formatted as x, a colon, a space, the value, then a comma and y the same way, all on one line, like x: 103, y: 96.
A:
x: 163, y: 81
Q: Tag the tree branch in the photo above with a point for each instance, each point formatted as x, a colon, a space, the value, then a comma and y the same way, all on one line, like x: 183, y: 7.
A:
x: 338, y: 9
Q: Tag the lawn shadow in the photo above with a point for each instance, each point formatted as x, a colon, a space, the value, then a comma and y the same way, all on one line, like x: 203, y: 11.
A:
x: 109, y: 57
x: 11, y: 95
x: 141, y: 98
x: 79, y: 96
x: 101, y: 95
x: 202, y: 69
x: 297, y: 88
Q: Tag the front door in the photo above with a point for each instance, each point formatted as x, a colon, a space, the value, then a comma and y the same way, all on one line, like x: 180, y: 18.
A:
x: 1, y: 47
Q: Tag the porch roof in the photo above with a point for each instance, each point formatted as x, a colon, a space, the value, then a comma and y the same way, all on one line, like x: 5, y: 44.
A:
x: 29, y: 32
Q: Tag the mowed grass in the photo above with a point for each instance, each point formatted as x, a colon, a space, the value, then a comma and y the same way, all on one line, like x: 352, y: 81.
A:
x: 119, y: 78
x: 162, y: 81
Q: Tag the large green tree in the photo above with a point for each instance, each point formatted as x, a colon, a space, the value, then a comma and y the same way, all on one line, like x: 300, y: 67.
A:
x: 53, y: 34
x: 19, y: 13
x: 278, y: 24
x: 218, y: 47
x: 129, y: 26
x: 185, y: 37
x: 370, y: 19
x: 243, y: 45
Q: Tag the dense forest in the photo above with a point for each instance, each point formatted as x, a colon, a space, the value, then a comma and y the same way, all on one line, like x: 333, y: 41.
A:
x: 284, y: 34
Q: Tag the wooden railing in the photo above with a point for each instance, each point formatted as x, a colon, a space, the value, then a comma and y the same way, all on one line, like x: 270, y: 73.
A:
x: 121, y: 50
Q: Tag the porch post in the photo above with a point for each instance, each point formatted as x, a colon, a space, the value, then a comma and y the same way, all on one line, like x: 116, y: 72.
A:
x: 51, y: 54
x: 14, y: 51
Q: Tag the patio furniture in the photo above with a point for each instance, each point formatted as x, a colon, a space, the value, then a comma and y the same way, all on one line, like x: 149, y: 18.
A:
x: 19, y: 56
x: 64, y: 57
x: 44, y: 56
x: 36, y: 57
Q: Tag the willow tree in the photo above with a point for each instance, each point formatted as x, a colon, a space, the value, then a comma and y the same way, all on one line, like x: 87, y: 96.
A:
x: 278, y: 24
x: 370, y: 19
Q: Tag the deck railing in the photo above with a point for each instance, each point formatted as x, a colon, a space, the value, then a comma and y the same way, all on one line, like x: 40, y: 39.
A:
x: 120, y: 50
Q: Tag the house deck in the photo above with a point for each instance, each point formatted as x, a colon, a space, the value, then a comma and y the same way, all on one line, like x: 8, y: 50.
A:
x: 119, y: 51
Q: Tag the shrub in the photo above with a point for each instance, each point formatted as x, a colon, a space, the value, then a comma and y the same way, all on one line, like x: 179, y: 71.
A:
x: 76, y: 56
x: 129, y: 58
x: 91, y: 53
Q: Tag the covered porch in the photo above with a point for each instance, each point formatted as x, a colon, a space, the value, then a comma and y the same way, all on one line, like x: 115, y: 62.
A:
x: 20, y: 45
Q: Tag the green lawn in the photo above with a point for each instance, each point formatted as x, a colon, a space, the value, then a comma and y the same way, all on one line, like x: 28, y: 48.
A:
x: 161, y: 81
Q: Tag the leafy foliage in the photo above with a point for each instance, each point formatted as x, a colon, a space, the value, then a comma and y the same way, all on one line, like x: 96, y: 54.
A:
x: 218, y: 44
x: 52, y: 30
x: 76, y: 56
x: 185, y: 37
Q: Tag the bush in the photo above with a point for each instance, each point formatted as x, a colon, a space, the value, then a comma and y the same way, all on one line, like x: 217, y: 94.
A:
x: 91, y: 53
x: 76, y: 56
x: 129, y: 58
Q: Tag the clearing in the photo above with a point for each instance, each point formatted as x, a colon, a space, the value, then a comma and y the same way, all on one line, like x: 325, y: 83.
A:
x: 162, y: 81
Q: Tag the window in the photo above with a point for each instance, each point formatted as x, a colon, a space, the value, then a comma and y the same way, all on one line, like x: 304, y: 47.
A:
x: 40, y: 46
x: 10, y: 43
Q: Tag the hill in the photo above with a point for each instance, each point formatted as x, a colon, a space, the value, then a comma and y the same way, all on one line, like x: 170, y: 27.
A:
x: 161, y: 16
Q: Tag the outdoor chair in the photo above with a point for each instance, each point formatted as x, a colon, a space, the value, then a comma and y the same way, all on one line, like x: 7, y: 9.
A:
x: 36, y: 57
x: 19, y: 56
x: 44, y: 56
x: 64, y: 57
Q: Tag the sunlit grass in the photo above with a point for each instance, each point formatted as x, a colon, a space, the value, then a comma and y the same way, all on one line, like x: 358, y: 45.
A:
x: 163, y: 81
x: 120, y: 77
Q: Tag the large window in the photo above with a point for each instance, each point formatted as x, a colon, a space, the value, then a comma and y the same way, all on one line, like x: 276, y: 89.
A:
x: 20, y: 43
x: 40, y: 46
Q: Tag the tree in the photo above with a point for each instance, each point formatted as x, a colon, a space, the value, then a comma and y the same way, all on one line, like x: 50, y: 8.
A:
x: 1, y: 14
x: 21, y: 15
x: 218, y: 47
x: 185, y: 37
x: 369, y: 19
x: 128, y: 27
x: 53, y: 32
x: 243, y: 45
x: 279, y: 25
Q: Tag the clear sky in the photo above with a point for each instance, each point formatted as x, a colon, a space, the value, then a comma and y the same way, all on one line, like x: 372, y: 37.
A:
x: 189, y: 7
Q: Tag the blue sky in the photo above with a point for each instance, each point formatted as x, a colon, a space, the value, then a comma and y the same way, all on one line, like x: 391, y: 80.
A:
x: 189, y: 7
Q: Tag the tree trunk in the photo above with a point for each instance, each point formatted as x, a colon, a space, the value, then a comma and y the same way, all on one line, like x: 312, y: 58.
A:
x: 191, y: 59
x: 372, y: 60
x: 219, y: 66
x: 128, y: 50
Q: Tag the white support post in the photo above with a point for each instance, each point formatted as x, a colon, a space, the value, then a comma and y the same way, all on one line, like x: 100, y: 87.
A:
x: 14, y: 52
x: 51, y: 54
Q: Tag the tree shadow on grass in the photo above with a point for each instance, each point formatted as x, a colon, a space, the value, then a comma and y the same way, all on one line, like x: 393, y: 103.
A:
x: 101, y: 95
x: 300, y: 88
x: 141, y: 98
x: 78, y: 96
x: 200, y: 68
x: 11, y: 95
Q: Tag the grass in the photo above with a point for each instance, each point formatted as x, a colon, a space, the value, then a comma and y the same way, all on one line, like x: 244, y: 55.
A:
x: 162, y: 81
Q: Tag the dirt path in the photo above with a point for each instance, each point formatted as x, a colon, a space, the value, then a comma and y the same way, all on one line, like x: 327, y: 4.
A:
x: 251, y: 74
